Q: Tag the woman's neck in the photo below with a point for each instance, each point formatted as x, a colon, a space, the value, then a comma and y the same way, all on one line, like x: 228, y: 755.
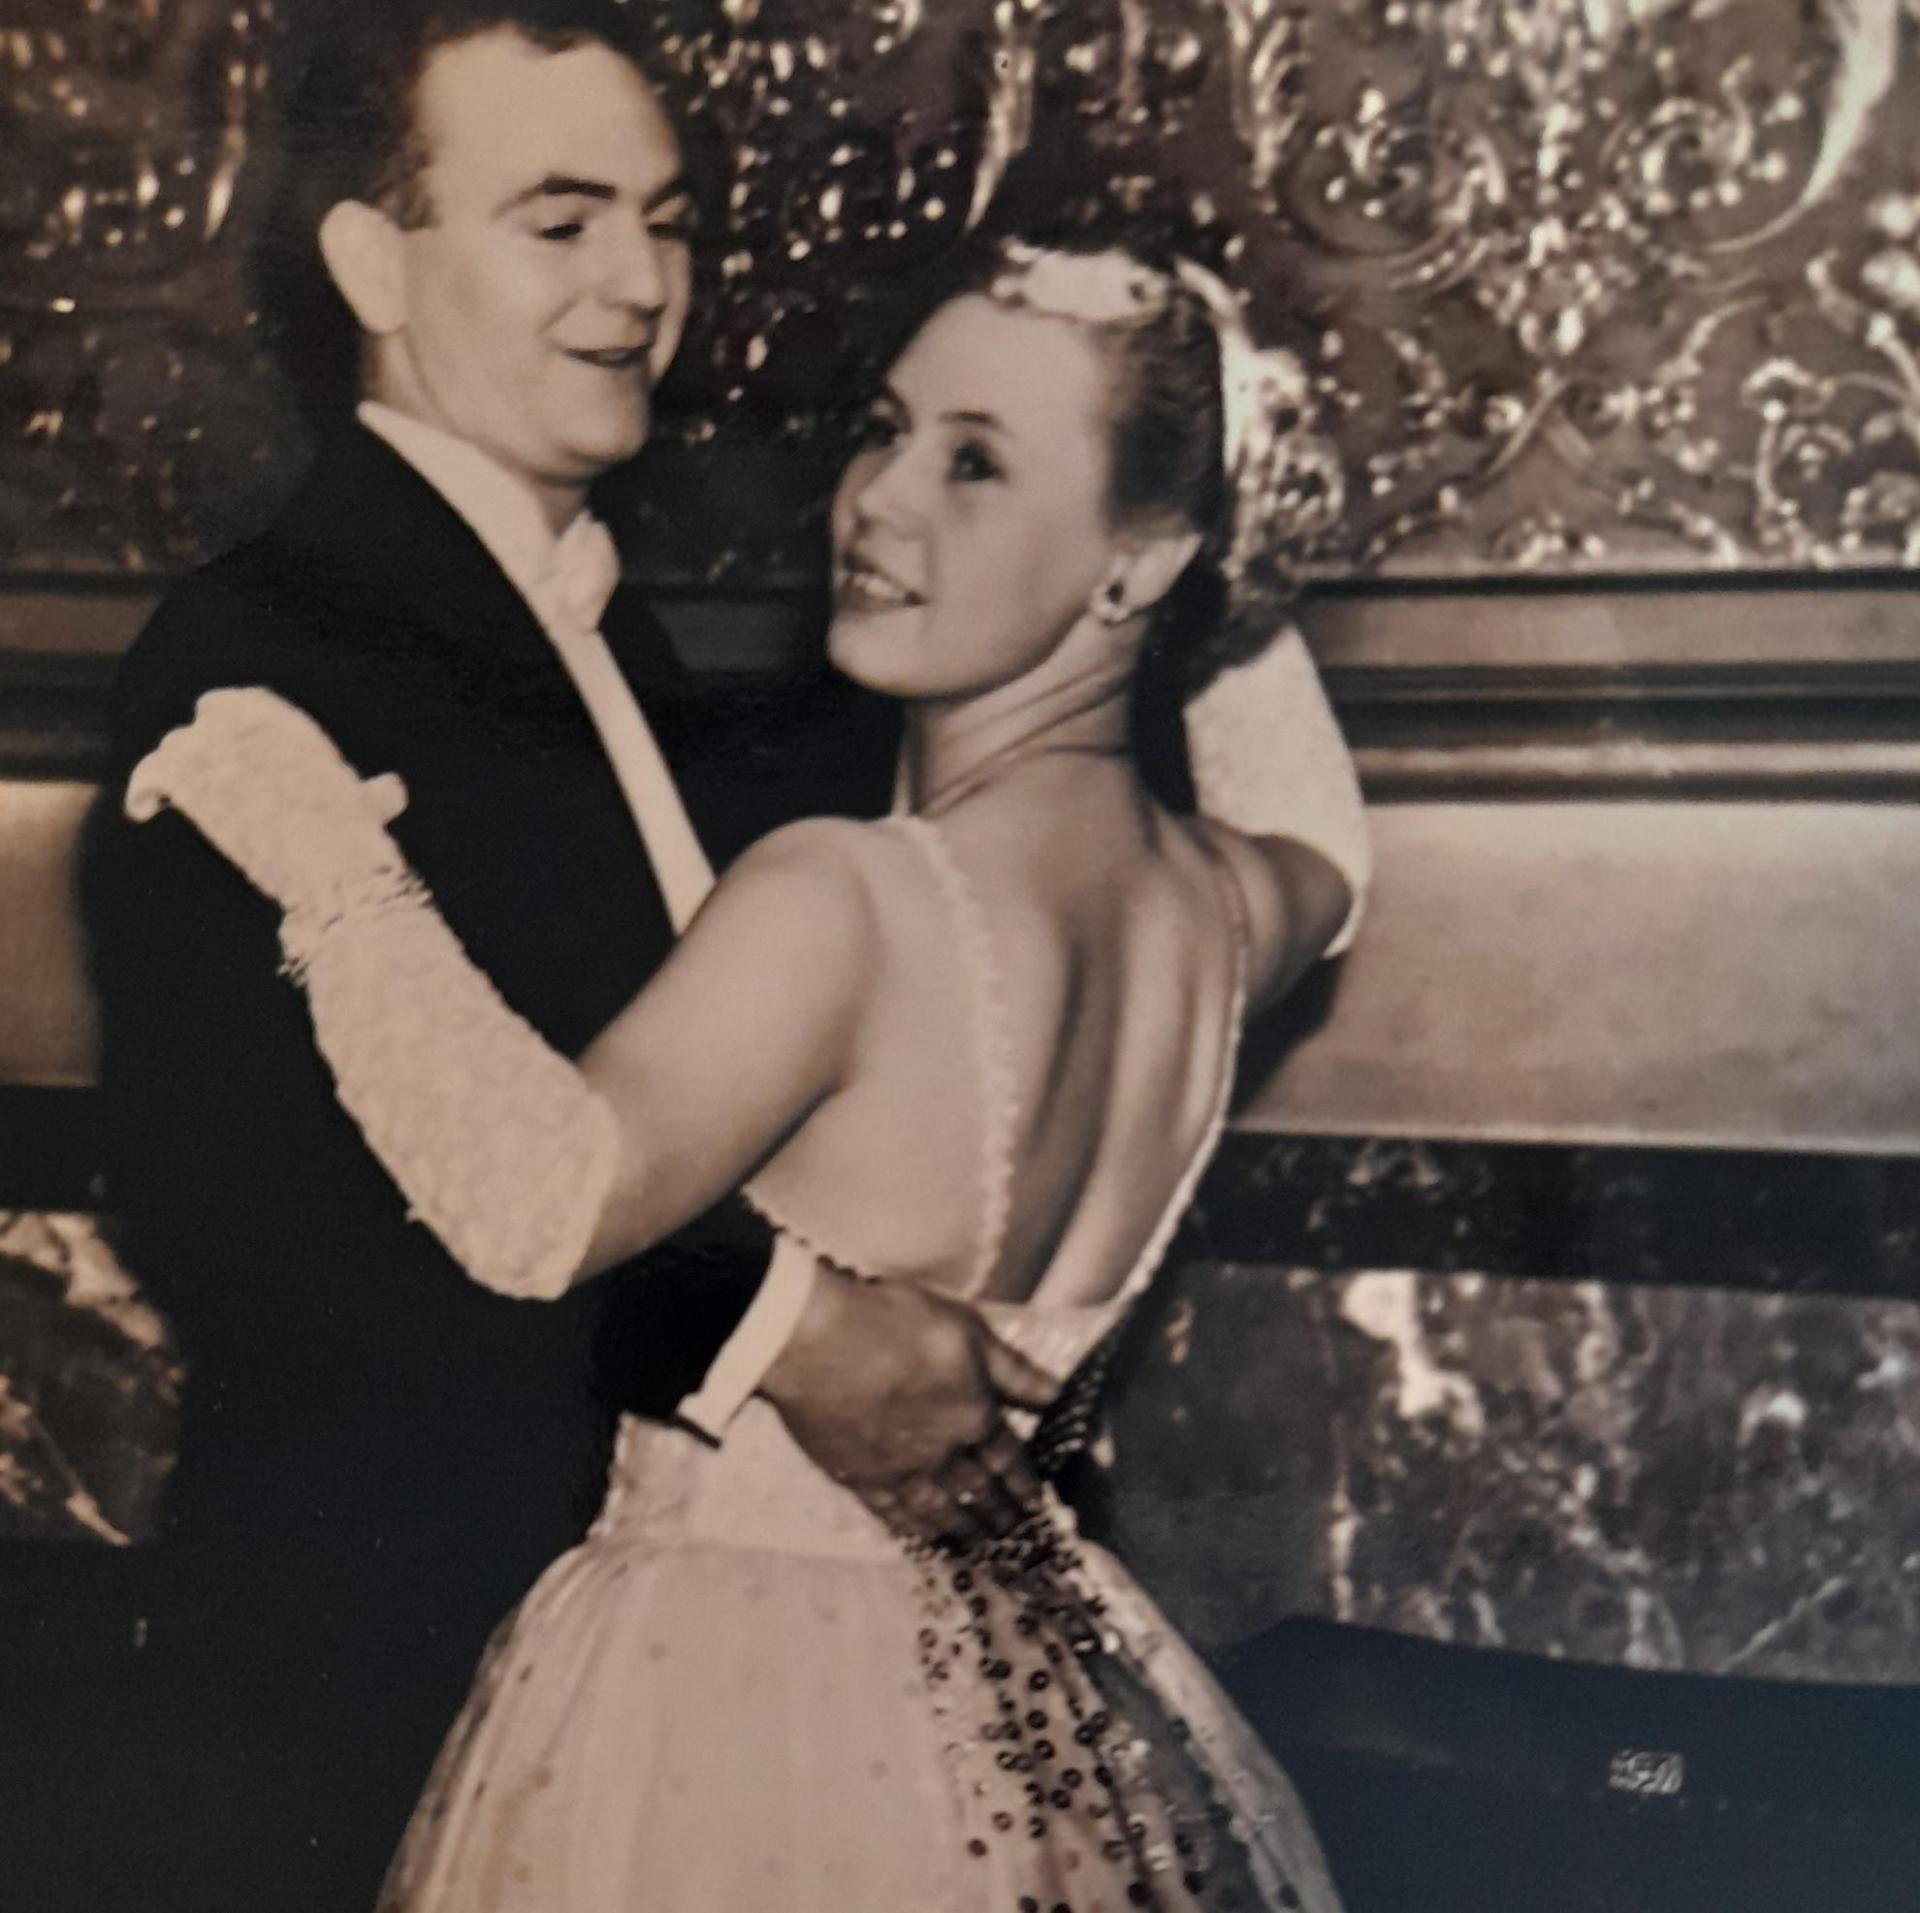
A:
x: 955, y: 749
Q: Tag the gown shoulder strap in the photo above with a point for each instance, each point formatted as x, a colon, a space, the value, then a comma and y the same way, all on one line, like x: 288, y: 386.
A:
x: 992, y: 1051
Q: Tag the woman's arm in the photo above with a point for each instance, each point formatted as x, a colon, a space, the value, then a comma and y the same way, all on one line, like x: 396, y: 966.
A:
x: 1296, y: 903
x: 746, y: 1030
x: 1270, y: 762
x: 527, y: 1173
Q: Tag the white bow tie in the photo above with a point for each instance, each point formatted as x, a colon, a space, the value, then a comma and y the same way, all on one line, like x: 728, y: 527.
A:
x: 586, y: 568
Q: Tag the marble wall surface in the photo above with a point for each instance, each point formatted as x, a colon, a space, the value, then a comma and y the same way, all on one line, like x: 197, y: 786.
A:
x: 1671, y: 1473
x: 1653, y: 1409
x: 89, y: 1388
x: 1698, y: 1479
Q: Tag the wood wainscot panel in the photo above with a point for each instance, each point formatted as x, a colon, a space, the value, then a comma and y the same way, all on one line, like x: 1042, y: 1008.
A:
x: 1646, y: 866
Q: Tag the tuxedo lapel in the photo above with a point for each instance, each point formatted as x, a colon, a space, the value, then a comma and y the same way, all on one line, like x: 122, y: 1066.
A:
x: 369, y: 531
x: 437, y: 668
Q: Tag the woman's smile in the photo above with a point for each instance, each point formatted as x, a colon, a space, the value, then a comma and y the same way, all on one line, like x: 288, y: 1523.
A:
x: 863, y: 585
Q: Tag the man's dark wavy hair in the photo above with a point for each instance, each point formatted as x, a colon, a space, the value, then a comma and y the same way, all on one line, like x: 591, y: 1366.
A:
x: 347, y: 129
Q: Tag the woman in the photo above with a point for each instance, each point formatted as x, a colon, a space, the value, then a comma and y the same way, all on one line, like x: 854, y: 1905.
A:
x: 996, y: 1060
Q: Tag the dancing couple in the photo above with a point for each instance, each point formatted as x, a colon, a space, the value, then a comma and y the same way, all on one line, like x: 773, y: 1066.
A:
x: 496, y: 1162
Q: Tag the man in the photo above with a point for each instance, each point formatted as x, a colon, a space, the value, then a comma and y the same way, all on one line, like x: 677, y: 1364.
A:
x: 379, y: 1456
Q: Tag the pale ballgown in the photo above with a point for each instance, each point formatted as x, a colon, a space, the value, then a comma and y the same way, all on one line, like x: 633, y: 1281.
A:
x: 742, y: 1692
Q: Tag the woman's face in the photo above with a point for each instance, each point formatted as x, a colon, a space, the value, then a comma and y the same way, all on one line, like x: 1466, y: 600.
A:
x: 971, y: 531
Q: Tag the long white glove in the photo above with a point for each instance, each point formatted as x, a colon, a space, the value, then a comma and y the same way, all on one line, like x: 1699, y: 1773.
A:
x: 497, y: 1142
x: 1268, y: 759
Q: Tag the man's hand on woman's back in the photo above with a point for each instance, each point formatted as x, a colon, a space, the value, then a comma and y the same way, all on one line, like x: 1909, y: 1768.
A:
x: 901, y: 1394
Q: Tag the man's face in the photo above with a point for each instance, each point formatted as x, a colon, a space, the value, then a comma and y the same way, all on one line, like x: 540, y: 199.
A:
x: 546, y: 294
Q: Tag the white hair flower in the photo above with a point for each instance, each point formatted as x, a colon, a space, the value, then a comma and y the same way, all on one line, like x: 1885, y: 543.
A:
x: 1286, y: 480
x: 1096, y: 288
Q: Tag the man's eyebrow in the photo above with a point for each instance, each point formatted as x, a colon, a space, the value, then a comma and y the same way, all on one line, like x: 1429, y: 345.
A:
x: 557, y: 186
x: 565, y: 186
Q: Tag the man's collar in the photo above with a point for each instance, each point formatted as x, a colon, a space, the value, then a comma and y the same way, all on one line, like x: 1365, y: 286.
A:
x: 501, y: 509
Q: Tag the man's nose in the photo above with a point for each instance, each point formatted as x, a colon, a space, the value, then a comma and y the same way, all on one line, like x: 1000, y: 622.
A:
x: 633, y: 272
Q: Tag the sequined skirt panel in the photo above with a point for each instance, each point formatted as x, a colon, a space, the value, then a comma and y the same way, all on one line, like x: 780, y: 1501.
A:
x: 740, y: 1693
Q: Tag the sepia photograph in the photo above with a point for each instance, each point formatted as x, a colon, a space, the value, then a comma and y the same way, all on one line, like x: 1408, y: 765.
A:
x: 959, y: 955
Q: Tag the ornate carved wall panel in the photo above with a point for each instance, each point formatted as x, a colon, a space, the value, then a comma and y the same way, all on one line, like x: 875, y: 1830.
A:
x: 139, y: 425
x: 1583, y: 284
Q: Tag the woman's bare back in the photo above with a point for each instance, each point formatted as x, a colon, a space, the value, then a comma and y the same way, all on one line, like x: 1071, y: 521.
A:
x: 1045, y: 1047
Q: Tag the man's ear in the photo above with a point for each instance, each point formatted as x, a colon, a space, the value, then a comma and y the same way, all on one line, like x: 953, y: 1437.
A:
x: 1151, y: 567
x: 361, y: 245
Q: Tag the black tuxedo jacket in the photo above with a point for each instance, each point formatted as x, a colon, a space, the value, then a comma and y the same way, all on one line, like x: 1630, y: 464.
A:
x: 379, y: 1456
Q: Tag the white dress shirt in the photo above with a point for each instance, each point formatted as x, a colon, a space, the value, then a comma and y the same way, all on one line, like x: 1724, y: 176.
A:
x: 566, y: 581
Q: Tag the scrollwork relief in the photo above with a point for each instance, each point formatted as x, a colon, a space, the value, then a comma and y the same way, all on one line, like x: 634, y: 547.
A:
x: 138, y: 419
x: 1580, y: 284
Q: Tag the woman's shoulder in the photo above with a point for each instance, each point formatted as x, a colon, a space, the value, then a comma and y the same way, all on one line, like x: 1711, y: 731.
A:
x: 867, y: 894
x: 831, y: 877
x: 835, y: 852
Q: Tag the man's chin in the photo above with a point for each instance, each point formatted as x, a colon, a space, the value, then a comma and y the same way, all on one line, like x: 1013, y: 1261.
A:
x: 605, y: 449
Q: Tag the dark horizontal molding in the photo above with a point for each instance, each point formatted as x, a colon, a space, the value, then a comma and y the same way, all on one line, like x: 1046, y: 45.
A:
x: 1749, y: 685
x: 1594, y: 580
x: 144, y: 589
x: 1837, y: 727
x: 1630, y: 769
x: 1797, y: 621
x: 53, y: 713
x: 1847, y: 689
x: 105, y: 581
x: 1773, y: 1222
x: 101, y: 582
x: 1776, y: 1222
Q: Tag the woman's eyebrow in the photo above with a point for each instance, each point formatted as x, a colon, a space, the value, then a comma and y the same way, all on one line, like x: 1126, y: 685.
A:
x: 988, y: 421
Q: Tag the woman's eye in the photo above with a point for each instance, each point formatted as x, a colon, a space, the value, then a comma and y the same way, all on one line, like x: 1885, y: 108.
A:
x: 972, y: 464
x: 561, y: 231
x: 677, y: 228
x: 876, y: 431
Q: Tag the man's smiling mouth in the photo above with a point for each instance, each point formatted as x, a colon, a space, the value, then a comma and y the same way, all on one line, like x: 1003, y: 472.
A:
x: 611, y: 358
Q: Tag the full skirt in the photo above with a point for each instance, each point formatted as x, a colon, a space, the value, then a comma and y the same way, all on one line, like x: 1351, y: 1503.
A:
x: 741, y: 1693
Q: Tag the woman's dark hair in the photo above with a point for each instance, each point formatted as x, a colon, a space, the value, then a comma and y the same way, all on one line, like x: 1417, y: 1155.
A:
x: 348, y: 129
x: 1166, y: 443
x: 1167, y: 448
